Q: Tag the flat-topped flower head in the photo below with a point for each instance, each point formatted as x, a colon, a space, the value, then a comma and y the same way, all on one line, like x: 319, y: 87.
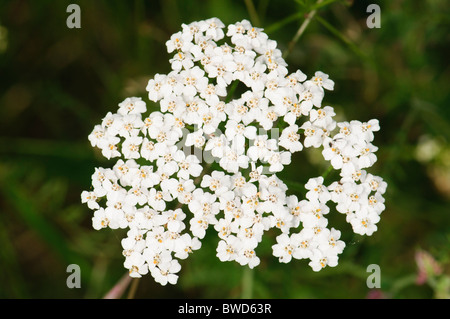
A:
x: 231, y: 115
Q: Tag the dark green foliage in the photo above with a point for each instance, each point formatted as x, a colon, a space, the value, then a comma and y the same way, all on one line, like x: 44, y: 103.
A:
x: 57, y: 83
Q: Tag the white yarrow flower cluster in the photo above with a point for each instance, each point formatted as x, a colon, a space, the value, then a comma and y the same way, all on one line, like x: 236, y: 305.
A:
x: 162, y: 191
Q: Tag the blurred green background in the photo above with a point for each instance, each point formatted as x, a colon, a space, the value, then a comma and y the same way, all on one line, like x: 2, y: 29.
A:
x: 56, y: 83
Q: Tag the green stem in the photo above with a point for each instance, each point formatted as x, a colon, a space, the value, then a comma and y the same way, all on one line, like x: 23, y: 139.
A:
x: 252, y: 12
x: 247, y: 283
x: 301, y: 30
x: 133, y: 288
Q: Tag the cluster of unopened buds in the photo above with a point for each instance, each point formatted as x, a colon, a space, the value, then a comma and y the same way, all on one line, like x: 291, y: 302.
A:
x: 208, y: 160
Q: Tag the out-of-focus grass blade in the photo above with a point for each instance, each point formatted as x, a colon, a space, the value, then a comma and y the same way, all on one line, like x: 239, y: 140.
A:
x: 324, y: 3
x: 252, y: 13
x: 277, y: 25
x: 301, y: 2
x: 18, y: 199
x: 13, y: 285
x: 430, y: 113
x: 342, y: 37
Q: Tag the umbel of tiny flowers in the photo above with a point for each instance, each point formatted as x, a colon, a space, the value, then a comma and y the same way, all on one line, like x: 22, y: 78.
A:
x: 209, y: 160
